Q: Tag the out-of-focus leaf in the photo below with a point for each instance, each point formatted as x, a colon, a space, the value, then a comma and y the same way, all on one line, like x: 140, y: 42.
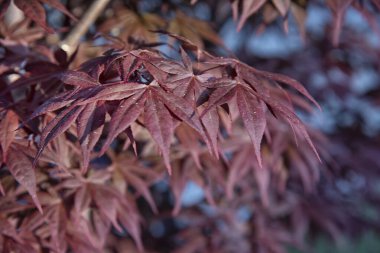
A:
x: 35, y: 11
x: 59, y: 6
x: 107, y: 203
x: 8, y: 127
x: 249, y: 7
x: 4, y: 4
x: 211, y: 122
x: 193, y: 29
x: 339, y: 7
x: 21, y: 167
x: 282, y: 6
x: 8, y: 229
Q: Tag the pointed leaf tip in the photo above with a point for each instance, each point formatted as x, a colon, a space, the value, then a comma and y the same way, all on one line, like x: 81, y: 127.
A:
x: 21, y: 168
x: 8, y: 127
x: 159, y: 123
x: 252, y: 112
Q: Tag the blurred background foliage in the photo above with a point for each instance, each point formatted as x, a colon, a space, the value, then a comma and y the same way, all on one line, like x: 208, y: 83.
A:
x: 342, y: 75
x: 369, y: 242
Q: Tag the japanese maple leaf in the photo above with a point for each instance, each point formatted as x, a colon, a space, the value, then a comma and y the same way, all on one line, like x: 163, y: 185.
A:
x: 339, y: 7
x: 247, y: 88
x: 20, y: 166
x: 159, y: 106
x: 146, y: 89
x: 34, y: 10
x: 85, y: 106
x: 112, y: 205
x: 193, y: 29
x: 128, y: 172
x: 151, y: 99
x: 41, y: 74
x: 184, y: 82
x: 8, y: 126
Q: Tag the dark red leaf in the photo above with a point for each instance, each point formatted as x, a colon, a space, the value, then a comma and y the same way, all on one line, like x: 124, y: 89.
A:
x: 53, y: 104
x: 77, y: 78
x: 296, y: 124
x: 186, y: 60
x: 211, y: 123
x: 126, y: 113
x: 59, y: 6
x: 282, y: 6
x: 252, y: 112
x: 4, y: 4
x: 238, y: 169
x: 284, y: 79
x: 21, y: 168
x: 8, y: 127
x: 141, y: 186
x: 57, y: 126
x: 159, y: 122
x: 115, y: 92
x: 185, y: 111
x: 90, y: 124
x: 35, y: 11
x: 249, y: 7
x: 219, y: 96
x: 107, y: 204
x: 339, y: 7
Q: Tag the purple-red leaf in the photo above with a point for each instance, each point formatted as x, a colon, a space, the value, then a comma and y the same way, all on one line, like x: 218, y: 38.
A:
x: 4, y: 4
x: 186, y: 60
x: 57, y: 126
x: 8, y: 128
x: 6, y: 228
x: 126, y: 113
x: 90, y: 124
x: 287, y: 80
x: 107, y: 203
x: 239, y: 167
x: 219, y: 96
x: 339, y: 7
x: 159, y: 122
x: 296, y: 124
x: 115, y: 92
x: 211, y: 123
x: 282, y: 6
x: 21, y: 168
x: 52, y: 104
x: 249, y: 7
x: 252, y: 112
x: 141, y: 187
x: 35, y: 11
x: 78, y: 78
x: 185, y: 111
x: 59, y: 6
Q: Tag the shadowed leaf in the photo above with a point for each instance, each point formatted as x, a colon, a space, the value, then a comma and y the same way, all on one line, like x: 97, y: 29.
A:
x: 21, y: 168
x: 8, y: 128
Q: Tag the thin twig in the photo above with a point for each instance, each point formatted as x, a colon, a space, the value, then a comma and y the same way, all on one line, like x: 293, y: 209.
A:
x: 72, y: 40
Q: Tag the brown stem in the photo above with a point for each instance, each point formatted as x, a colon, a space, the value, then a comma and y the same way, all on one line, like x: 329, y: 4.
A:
x: 72, y: 40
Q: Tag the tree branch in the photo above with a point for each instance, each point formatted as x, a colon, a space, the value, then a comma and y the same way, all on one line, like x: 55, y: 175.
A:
x: 72, y: 40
